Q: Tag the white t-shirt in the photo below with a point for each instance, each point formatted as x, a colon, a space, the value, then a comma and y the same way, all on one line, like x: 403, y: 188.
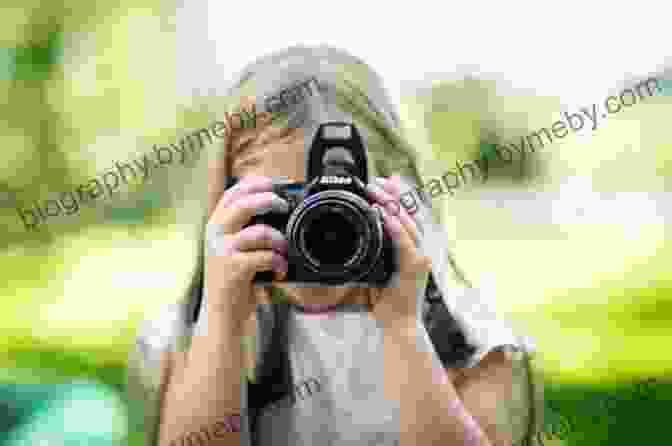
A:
x: 336, y: 360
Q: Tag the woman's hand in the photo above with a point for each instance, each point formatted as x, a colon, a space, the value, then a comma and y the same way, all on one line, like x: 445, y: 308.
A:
x: 235, y: 253
x: 396, y: 305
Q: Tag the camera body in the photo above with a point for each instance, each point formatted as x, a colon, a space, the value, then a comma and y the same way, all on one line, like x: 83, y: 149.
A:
x: 335, y: 236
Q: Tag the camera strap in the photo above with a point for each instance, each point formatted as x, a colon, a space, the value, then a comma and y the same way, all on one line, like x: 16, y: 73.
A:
x: 274, y: 370
x: 274, y: 380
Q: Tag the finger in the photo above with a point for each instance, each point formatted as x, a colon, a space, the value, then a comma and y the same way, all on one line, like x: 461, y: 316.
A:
x: 247, y: 185
x: 408, y: 195
x: 395, y: 209
x: 409, y: 224
x: 394, y: 186
x: 260, y: 237
x: 373, y: 296
x: 241, y: 211
x: 410, y: 259
x: 410, y: 227
x: 387, y: 185
x: 245, y: 266
x: 252, y: 262
x: 396, y: 231
x: 218, y: 200
x: 377, y: 194
x: 386, y: 188
x: 391, y: 206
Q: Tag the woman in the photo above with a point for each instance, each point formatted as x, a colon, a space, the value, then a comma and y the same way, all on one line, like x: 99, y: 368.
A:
x: 386, y: 366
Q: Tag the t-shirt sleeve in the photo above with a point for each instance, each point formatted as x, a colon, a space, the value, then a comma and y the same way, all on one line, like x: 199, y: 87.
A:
x: 147, y: 373
x: 484, y: 330
x: 464, y: 336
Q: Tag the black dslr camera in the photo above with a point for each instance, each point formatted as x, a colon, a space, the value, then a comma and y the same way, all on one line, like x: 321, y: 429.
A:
x: 335, y: 236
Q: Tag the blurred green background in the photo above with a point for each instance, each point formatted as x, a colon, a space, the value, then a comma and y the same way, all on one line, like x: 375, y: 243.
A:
x: 86, y: 86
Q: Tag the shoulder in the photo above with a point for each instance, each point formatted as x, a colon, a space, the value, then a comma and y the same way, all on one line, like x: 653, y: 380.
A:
x: 157, y: 352
x: 168, y: 331
x: 467, y: 316
x: 159, y: 342
x: 457, y: 346
x: 500, y: 391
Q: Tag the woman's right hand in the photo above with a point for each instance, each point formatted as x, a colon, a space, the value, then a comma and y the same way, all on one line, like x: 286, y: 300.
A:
x: 235, y: 253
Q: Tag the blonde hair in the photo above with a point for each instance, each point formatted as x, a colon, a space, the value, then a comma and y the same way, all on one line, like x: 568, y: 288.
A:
x: 359, y: 91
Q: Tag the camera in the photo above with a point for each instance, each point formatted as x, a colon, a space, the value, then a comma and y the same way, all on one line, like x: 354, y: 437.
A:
x: 335, y: 235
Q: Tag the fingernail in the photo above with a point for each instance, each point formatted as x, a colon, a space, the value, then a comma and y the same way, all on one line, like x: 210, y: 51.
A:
x: 279, y: 242
x: 279, y: 265
x: 251, y: 179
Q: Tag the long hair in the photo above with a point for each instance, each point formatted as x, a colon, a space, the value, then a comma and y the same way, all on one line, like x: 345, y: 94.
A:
x: 360, y: 93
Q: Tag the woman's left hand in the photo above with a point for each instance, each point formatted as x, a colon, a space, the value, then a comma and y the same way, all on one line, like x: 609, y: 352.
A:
x: 397, y: 305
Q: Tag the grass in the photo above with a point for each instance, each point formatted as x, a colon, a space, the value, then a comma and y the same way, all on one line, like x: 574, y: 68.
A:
x: 610, y: 415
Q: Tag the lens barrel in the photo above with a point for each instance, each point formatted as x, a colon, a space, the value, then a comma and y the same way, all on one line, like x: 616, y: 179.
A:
x: 336, y: 235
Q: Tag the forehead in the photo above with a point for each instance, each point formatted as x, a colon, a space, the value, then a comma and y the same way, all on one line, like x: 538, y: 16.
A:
x: 296, y: 104
x: 278, y: 147
x: 274, y: 155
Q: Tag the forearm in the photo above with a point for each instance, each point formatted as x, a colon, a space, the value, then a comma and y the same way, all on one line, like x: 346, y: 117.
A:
x: 431, y: 411
x: 203, y: 397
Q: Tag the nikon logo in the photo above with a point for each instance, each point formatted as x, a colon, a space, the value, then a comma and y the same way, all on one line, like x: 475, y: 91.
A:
x: 335, y: 180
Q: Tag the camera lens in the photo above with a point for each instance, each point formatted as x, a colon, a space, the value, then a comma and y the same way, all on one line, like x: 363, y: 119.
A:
x: 336, y: 235
x: 332, y: 236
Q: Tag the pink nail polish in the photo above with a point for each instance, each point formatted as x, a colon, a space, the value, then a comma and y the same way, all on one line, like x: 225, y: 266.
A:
x: 279, y: 265
x: 380, y: 181
x: 392, y: 207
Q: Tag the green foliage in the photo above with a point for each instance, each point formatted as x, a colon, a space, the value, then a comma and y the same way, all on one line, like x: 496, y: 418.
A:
x: 54, y: 115
x: 35, y: 62
x: 488, y: 152
x: 149, y: 201
x: 620, y: 415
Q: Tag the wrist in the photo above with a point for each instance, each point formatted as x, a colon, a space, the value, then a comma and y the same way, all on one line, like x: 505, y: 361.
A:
x: 226, y: 312
x: 228, y: 323
x: 408, y: 326
x: 225, y: 320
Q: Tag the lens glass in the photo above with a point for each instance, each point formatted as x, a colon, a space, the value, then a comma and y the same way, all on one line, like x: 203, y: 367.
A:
x: 333, y: 235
